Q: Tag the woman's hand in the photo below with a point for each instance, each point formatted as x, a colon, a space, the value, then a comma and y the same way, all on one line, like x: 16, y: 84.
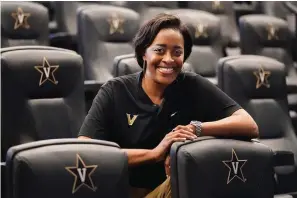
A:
x: 191, y: 128
x: 179, y: 134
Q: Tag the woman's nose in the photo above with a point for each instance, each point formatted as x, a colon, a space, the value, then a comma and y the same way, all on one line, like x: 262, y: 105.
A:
x: 168, y: 58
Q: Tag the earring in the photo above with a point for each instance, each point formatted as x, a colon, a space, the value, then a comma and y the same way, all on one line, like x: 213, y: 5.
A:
x: 144, y: 65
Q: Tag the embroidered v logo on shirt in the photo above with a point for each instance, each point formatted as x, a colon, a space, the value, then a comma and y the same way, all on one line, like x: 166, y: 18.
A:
x: 131, y: 120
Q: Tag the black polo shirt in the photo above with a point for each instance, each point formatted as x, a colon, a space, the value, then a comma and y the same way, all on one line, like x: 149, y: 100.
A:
x: 123, y: 113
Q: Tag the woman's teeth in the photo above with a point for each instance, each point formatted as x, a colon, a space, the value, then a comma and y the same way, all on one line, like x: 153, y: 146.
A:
x: 166, y: 70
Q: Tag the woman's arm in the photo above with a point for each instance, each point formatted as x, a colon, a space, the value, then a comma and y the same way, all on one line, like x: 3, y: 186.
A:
x: 140, y: 156
x: 240, y: 123
x: 136, y: 156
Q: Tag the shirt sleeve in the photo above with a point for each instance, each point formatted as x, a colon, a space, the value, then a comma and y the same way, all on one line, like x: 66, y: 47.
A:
x: 97, y: 122
x: 216, y: 103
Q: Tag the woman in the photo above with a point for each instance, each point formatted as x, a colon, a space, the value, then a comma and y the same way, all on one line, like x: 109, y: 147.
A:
x: 148, y: 111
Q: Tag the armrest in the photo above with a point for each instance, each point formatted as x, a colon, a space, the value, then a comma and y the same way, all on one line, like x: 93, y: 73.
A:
x: 213, y: 80
x: 53, y: 27
x: 92, y: 86
x: 291, y: 85
x: 283, y: 162
x: 282, y: 196
x: 234, y: 41
x: 283, y: 158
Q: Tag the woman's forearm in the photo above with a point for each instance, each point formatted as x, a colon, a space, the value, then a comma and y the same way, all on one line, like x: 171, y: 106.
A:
x: 239, y: 124
x: 140, y: 156
x: 136, y: 156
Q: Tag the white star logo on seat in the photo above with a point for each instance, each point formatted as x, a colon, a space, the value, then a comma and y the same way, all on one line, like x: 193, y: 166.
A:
x: 235, y: 167
x: 47, y: 72
x: 21, y: 19
x: 262, y: 77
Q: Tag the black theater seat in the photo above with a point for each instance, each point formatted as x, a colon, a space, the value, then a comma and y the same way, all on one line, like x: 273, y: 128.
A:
x: 42, y: 95
x: 270, y: 36
x: 225, y: 11
x: 219, y: 168
x: 23, y: 23
x: 67, y: 168
x: 258, y: 84
x: 104, y: 32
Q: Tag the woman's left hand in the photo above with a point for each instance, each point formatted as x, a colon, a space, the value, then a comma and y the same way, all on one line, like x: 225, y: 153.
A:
x: 191, y: 128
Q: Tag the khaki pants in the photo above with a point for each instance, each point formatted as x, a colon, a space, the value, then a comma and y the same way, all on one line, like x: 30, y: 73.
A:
x: 162, y: 191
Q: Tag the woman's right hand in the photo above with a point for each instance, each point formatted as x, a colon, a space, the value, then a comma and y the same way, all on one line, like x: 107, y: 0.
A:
x: 179, y: 135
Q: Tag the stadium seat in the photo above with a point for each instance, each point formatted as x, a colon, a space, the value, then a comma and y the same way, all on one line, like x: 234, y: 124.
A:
x: 207, y: 41
x: 149, y: 9
x: 65, y: 13
x: 127, y: 64
x: 42, y: 95
x: 224, y: 10
x: 104, y: 32
x: 24, y: 23
x: 219, y: 168
x: 67, y: 168
x: 258, y: 84
x: 66, y: 17
x: 279, y: 10
x: 269, y: 36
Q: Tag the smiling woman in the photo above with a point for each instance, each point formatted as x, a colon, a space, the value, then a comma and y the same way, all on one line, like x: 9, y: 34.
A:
x: 147, y: 111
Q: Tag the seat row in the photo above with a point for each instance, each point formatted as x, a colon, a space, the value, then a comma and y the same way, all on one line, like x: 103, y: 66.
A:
x: 43, y: 98
x: 106, y: 31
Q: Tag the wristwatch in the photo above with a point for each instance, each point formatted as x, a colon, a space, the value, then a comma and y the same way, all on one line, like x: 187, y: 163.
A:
x: 198, y: 126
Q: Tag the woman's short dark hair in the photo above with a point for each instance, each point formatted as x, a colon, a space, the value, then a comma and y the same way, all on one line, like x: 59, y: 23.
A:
x: 147, y: 33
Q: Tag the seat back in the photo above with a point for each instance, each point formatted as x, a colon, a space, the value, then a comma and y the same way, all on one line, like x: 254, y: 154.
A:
x: 225, y: 11
x: 258, y: 84
x: 65, y: 13
x: 278, y: 9
x: 149, y: 9
x: 267, y: 36
x: 67, y: 168
x: 23, y: 23
x: 105, y: 32
x: 207, y: 41
x: 219, y: 168
x: 42, y: 94
x: 127, y: 64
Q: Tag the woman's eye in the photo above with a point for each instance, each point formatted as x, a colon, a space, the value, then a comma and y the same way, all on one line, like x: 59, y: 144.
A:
x: 178, y: 52
x: 159, y: 50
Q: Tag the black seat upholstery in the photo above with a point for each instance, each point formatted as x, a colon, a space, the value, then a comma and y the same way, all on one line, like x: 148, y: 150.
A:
x: 267, y: 36
x: 65, y: 13
x: 207, y: 41
x: 219, y: 168
x: 23, y: 23
x: 278, y: 9
x: 67, y: 168
x: 105, y: 32
x: 270, y: 36
x: 225, y: 11
x: 258, y: 84
x: 127, y: 64
x: 42, y: 95
x: 151, y: 9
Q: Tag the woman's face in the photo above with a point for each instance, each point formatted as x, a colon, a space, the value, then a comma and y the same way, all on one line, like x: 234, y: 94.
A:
x: 165, y: 56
